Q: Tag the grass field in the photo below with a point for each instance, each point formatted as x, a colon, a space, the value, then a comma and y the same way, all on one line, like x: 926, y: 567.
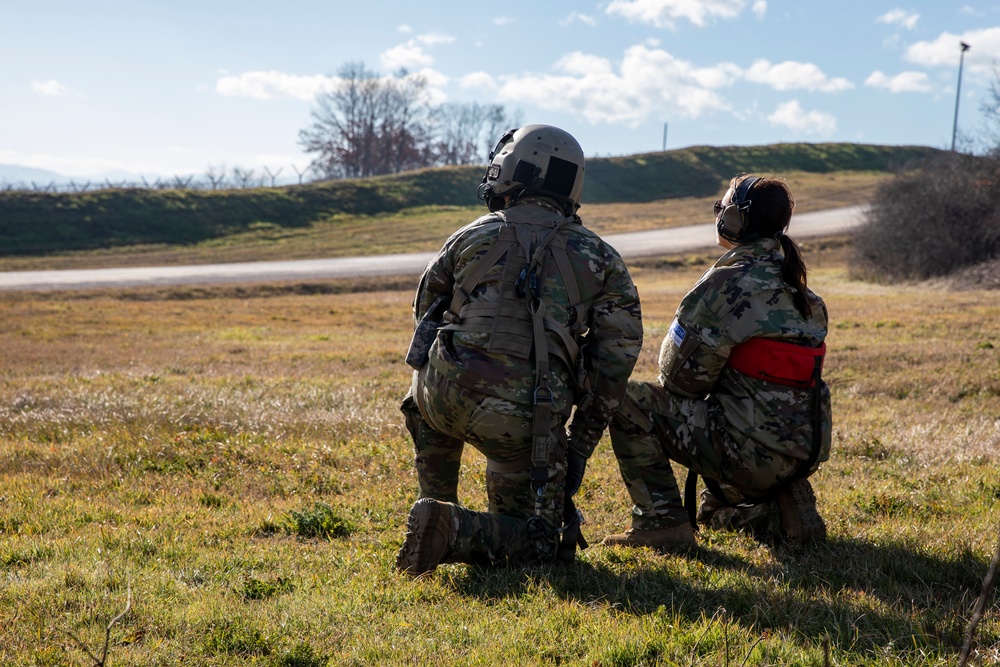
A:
x: 230, y: 466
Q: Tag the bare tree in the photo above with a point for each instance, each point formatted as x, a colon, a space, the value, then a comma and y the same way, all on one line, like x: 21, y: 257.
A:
x: 990, y: 108
x: 466, y: 133
x: 368, y: 125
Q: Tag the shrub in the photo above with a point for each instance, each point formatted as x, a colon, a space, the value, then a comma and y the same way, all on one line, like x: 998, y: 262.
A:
x: 301, y: 655
x: 941, y: 215
x: 320, y: 521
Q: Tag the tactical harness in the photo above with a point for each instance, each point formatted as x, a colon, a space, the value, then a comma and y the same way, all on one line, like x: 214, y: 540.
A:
x: 508, y: 320
x: 785, y: 364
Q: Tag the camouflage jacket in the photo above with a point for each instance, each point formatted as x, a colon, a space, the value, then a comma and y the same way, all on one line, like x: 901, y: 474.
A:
x: 743, y: 297
x: 488, y: 346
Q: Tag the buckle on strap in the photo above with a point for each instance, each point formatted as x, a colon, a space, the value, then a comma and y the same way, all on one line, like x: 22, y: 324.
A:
x: 543, y: 395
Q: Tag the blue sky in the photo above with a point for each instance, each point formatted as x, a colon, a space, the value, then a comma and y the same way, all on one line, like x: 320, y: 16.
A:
x: 163, y: 88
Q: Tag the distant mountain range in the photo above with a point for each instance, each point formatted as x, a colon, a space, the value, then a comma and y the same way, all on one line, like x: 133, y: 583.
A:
x: 13, y: 173
x: 19, y: 175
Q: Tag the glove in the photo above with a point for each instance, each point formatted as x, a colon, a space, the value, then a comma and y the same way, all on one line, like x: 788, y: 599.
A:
x: 576, y: 464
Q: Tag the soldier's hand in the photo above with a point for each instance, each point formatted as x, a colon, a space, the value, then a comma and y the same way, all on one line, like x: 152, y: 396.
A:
x: 576, y: 465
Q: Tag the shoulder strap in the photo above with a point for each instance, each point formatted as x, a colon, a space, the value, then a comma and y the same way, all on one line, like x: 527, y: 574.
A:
x: 504, y: 242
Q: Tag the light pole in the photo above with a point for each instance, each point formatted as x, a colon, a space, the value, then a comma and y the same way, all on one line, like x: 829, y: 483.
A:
x: 958, y: 92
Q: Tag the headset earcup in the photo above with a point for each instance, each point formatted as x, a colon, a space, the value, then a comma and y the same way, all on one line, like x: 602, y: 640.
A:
x: 731, y: 224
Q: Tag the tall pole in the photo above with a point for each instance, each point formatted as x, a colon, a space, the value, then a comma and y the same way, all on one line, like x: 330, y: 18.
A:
x: 664, y: 137
x: 958, y: 92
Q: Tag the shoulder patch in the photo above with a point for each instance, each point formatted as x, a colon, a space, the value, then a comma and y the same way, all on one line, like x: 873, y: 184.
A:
x: 677, y: 332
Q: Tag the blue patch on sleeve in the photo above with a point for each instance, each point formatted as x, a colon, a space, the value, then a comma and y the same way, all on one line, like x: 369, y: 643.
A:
x: 677, y: 333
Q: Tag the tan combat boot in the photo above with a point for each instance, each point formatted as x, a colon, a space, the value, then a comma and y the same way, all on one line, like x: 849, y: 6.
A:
x: 800, y: 520
x: 681, y: 535
x: 429, y: 533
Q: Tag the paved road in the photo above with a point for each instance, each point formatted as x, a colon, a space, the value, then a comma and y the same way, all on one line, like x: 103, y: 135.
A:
x: 634, y: 244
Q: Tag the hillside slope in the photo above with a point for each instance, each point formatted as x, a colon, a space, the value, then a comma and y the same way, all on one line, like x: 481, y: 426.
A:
x: 33, y: 223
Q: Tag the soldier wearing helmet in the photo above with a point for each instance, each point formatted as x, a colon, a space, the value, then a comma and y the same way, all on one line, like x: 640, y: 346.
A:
x: 522, y: 316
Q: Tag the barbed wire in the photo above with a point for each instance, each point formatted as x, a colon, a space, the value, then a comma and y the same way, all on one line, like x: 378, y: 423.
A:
x: 214, y: 178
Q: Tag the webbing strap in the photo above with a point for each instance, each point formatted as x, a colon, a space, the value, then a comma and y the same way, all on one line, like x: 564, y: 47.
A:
x: 482, y: 266
x: 542, y: 411
x: 569, y: 278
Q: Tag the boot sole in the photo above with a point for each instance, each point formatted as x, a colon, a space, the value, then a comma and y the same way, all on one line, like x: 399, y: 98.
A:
x: 412, y: 558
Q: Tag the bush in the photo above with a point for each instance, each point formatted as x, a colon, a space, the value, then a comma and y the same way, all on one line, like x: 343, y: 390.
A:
x: 939, y: 216
x: 320, y: 521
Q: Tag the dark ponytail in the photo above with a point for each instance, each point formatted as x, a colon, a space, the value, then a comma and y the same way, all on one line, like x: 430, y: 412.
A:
x: 769, y: 215
x: 793, y: 272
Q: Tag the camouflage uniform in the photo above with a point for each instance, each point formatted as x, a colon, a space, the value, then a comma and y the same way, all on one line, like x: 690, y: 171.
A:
x: 747, y: 434
x: 479, y: 381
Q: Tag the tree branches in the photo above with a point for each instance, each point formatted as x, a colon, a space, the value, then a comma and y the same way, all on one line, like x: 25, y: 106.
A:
x: 369, y: 125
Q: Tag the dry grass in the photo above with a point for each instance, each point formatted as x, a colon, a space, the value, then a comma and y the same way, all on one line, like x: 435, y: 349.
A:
x: 213, y: 446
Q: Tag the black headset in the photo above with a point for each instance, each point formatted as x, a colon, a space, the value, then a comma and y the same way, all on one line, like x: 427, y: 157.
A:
x: 731, y: 223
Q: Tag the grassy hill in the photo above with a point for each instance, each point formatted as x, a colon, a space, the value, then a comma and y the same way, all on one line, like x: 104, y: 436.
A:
x: 33, y: 223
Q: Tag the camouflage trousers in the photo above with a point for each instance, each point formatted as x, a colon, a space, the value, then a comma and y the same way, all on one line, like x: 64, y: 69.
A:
x: 441, y: 416
x: 653, y: 427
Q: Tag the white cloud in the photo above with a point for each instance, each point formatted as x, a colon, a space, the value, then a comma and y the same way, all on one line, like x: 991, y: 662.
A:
x: 760, y: 8
x: 51, y: 88
x: 648, y: 83
x: 272, y: 85
x: 794, y: 117
x: 411, y: 55
x: 900, y: 17
x: 575, y: 17
x: 791, y: 75
x: 405, y: 29
x: 664, y: 13
x: 945, y: 50
x: 277, y: 85
x: 477, y: 80
x: 502, y: 20
x: 405, y: 56
x: 904, y: 82
x: 434, y: 78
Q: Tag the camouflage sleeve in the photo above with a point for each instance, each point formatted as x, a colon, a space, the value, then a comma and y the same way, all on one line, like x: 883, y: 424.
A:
x: 689, y: 365
x: 437, y: 279
x: 696, y: 347
x: 610, y: 352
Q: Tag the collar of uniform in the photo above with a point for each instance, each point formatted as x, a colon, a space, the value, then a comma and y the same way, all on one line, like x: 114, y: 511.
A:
x: 759, y: 249
x: 543, y: 203
x: 533, y: 211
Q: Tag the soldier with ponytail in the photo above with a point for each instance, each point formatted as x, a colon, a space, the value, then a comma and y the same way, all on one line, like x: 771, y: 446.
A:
x: 740, y: 399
